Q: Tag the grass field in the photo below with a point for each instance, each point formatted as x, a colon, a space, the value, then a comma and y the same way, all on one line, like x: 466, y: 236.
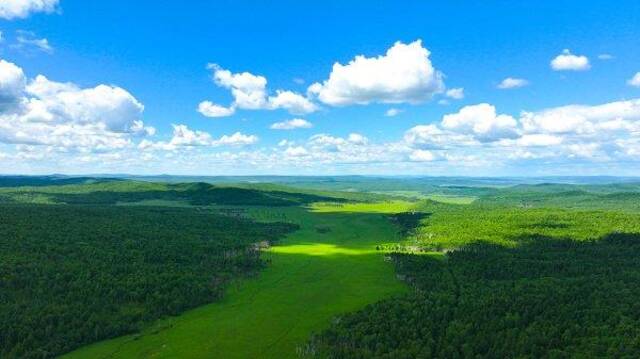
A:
x: 328, y: 267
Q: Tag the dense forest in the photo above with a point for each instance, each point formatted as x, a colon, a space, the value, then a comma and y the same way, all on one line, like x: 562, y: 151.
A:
x: 72, y: 275
x: 110, y: 192
x: 544, y: 298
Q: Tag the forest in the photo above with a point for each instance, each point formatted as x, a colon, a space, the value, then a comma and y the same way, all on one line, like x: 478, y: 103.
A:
x: 72, y: 275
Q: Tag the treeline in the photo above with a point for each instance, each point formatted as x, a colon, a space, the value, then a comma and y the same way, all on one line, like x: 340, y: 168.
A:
x: 546, y: 298
x: 109, y: 192
x: 72, y: 275
x: 450, y: 226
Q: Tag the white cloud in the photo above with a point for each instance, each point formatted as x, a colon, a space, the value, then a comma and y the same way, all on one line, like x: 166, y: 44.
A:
x: 403, y: 74
x: 27, y: 40
x: 292, y: 102
x: 533, y: 140
x: 512, y: 82
x: 432, y: 137
x: 12, y: 85
x: 209, y: 109
x: 422, y: 156
x: 183, y: 136
x: 332, y: 143
x: 44, y: 112
x: 392, y: 112
x: 567, y: 61
x: 635, y: 80
x: 605, y: 57
x: 600, y: 133
x: 357, y: 139
x: 298, y: 151
x: 482, y: 122
x: 456, y: 93
x: 236, y: 139
x: 291, y: 124
x: 249, y: 92
x: 585, y: 150
x: 12, y: 9
x: 582, y: 119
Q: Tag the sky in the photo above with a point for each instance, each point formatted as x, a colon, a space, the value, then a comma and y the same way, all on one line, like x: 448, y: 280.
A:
x: 469, y: 88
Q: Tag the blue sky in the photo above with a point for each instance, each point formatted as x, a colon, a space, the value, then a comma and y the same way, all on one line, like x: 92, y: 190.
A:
x: 123, y: 82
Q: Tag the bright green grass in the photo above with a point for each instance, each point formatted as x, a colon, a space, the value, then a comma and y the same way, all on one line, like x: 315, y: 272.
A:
x: 312, y: 278
x: 443, y: 198
x: 375, y: 207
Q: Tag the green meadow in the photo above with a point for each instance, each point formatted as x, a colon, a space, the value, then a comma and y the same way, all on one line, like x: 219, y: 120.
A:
x: 327, y: 268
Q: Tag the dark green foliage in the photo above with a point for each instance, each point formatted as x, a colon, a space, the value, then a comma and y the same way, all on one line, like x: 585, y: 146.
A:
x: 408, y: 221
x: 109, y: 192
x: 611, y: 196
x: 72, y: 275
x: 36, y: 181
x: 544, y: 298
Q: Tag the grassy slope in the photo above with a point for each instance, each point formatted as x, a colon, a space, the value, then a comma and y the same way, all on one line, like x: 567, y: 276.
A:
x: 313, y: 277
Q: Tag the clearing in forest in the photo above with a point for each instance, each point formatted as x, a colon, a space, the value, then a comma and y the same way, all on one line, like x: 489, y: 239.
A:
x: 328, y: 267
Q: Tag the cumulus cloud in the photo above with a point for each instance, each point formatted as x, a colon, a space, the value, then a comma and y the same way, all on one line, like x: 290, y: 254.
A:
x: 532, y: 140
x: 482, y: 122
x: 209, y: 109
x: 357, y: 139
x: 332, y: 143
x: 567, y: 61
x: 13, y: 9
x: 249, y: 92
x: 392, y: 112
x: 292, y: 102
x: 512, y: 83
x: 183, y: 136
x: 291, y: 124
x: 433, y: 137
x: 603, y: 133
x: 297, y: 151
x: 403, y: 74
x: 422, y: 156
x: 635, y: 80
x: 582, y: 119
x: 456, y: 93
x: 12, y: 85
x: 236, y: 139
x: 45, y: 112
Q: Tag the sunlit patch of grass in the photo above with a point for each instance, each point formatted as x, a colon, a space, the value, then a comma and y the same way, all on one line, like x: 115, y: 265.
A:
x: 443, y: 198
x: 374, y: 207
x: 321, y: 249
